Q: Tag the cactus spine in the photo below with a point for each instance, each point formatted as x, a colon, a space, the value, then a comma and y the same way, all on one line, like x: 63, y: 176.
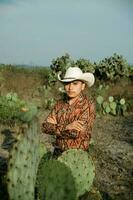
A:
x: 23, y: 164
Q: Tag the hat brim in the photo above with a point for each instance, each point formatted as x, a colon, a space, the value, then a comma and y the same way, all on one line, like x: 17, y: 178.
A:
x: 87, y: 78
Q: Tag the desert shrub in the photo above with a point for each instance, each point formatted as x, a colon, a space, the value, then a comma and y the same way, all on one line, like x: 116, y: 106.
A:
x: 130, y: 67
x: 109, y: 69
x: 43, y: 73
x: 85, y: 65
x: 112, y: 68
x: 59, y: 64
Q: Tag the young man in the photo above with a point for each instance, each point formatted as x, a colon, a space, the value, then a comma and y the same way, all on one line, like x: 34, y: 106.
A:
x: 72, y: 120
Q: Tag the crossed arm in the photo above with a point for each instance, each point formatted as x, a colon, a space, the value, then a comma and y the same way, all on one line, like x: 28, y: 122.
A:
x: 73, y: 130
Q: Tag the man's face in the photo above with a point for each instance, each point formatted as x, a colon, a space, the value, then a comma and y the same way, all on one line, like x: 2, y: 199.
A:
x: 74, y: 88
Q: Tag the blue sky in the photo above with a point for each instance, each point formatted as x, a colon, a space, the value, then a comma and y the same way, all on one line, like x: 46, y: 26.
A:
x: 37, y: 31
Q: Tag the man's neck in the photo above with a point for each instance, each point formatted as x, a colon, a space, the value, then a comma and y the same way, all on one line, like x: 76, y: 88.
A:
x: 73, y: 100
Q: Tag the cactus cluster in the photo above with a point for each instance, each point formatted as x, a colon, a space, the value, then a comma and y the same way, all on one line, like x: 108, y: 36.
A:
x: 122, y: 106
x: 10, y: 106
x: 112, y: 68
x: 85, y: 65
x: 23, y: 164
x: 59, y: 64
x: 14, y: 109
x: 111, y: 105
x: 82, y: 168
x: 55, y: 181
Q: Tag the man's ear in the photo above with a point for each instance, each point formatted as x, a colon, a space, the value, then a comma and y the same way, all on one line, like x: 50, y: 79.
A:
x: 83, y: 86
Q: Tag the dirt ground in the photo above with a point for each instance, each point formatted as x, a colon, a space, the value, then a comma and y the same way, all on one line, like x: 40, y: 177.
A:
x: 112, y: 149
x: 112, y: 153
x: 113, y: 157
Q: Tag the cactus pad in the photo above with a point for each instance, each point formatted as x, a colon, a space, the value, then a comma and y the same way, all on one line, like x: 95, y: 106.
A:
x: 55, y: 181
x: 23, y: 164
x: 28, y: 113
x: 82, y: 168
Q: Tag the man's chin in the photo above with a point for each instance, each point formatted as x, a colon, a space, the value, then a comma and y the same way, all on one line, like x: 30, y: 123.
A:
x: 71, y: 96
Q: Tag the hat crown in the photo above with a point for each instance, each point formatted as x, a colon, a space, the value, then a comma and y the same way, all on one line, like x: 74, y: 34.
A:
x: 73, y: 72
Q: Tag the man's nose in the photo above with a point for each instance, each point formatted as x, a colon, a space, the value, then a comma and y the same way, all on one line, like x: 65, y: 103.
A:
x: 70, y: 86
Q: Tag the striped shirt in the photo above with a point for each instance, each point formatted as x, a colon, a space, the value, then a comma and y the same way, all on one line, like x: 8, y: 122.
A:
x: 82, y: 109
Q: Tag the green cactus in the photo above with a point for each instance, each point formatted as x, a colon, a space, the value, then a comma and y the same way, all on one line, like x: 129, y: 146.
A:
x: 14, y: 109
x: 10, y: 106
x: 122, y: 101
x: 122, y: 106
x: 42, y: 150
x: 59, y: 64
x: 99, y: 100
x: 113, y: 106
x: 55, y: 181
x: 111, y: 99
x: 107, y: 109
x: 28, y: 115
x: 105, y: 104
x: 82, y: 168
x: 23, y: 164
x: 112, y: 68
x: 85, y: 65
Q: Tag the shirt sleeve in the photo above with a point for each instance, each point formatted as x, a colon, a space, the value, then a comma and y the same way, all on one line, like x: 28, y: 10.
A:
x: 52, y: 128
x: 88, y: 117
x: 47, y: 127
x: 56, y: 129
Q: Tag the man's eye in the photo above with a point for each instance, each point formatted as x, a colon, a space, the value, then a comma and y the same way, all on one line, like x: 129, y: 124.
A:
x: 66, y: 84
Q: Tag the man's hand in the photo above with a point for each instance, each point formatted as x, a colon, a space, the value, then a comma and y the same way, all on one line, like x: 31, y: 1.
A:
x: 76, y: 125
x: 52, y: 120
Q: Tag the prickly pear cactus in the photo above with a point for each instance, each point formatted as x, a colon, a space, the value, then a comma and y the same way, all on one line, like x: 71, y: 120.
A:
x: 82, y: 168
x: 55, y: 181
x: 28, y: 113
x: 23, y: 164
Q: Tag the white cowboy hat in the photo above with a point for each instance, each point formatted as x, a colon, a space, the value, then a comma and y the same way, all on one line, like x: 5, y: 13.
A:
x: 75, y: 73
